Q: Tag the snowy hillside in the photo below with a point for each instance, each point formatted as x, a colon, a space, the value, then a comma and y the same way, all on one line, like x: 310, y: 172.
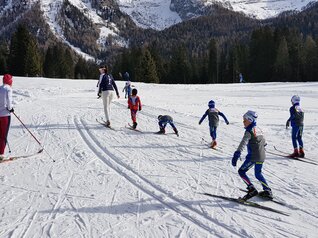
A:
x: 124, y: 183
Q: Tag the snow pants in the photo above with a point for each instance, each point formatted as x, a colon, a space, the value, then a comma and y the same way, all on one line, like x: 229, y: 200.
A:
x: 133, y: 114
x: 4, y: 129
x: 258, y: 173
x: 213, y: 132
x: 108, y: 97
x: 297, y: 133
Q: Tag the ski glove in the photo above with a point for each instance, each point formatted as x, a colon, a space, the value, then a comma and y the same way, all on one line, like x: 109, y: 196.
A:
x: 287, y: 124
x: 99, y: 95
x: 11, y: 110
x: 236, y: 156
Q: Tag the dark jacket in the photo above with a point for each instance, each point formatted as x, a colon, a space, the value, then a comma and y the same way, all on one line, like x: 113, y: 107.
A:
x: 108, y: 84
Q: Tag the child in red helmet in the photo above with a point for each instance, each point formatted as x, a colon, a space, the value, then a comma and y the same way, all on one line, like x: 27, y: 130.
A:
x: 5, y: 110
x: 134, y: 104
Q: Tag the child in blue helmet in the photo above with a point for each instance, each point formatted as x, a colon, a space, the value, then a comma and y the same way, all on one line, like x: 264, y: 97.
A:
x: 255, y: 142
x: 297, y: 123
x: 213, y: 115
x: 163, y: 121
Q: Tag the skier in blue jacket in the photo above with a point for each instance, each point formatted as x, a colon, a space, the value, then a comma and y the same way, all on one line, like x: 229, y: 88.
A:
x: 213, y: 115
x: 255, y: 142
x: 297, y: 123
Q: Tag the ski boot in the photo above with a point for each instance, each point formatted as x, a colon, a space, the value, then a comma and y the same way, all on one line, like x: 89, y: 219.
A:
x: 252, y: 192
x: 162, y: 131
x: 176, y: 131
x: 107, y: 123
x: 213, y: 144
x: 301, y: 153
x: 295, y: 154
x: 134, y: 125
x: 267, y: 194
x: 1, y: 157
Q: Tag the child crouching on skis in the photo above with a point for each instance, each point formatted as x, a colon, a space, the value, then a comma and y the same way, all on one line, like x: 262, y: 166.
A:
x: 297, y: 123
x: 134, y: 104
x: 255, y: 156
x: 213, y: 115
x: 163, y: 121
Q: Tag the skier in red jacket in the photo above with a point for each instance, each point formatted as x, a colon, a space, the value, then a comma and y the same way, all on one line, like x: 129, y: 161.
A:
x: 134, y: 104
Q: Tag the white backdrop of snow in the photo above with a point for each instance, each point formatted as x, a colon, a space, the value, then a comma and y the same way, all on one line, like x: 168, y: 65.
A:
x: 123, y: 183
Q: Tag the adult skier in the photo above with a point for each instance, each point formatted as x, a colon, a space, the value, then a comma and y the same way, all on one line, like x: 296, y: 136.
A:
x: 5, y: 110
x: 106, y: 91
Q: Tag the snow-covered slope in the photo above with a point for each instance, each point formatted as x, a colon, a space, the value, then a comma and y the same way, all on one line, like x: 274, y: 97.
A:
x: 124, y: 183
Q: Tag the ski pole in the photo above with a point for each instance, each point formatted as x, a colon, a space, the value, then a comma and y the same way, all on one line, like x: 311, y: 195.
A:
x: 8, y: 145
x: 27, y: 129
x: 42, y: 148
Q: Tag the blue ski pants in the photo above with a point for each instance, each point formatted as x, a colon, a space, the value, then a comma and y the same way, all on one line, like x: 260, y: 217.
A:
x: 297, y: 133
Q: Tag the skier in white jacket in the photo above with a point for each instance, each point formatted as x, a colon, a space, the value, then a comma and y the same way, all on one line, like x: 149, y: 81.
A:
x: 5, y: 110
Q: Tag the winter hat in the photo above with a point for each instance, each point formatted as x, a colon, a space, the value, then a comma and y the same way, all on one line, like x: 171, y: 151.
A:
x: 250, y: 116
x: 295, y: 99
x: 7, y: 79
x: 211, y: 104
x: 134, y: 92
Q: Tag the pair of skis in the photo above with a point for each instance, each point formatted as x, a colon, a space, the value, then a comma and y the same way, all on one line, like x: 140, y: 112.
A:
x: 250, y: 204
x: 12, y: 158
x: 281, y: 153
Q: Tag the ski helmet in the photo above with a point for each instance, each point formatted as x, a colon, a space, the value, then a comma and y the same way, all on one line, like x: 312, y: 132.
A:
x: 7, y: 79
x: 211, y: 104
x: 134, y: 92
x: 250, y: 116
x: 159, y: 117
x: 295, y: 99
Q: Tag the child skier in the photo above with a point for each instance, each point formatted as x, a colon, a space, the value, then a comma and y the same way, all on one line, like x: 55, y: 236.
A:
x: 163, y: 121
x: 297, y: 123
x: 213, y: 114
x: 134, y: 104
x: 127, y: 87
x: 255, y: 156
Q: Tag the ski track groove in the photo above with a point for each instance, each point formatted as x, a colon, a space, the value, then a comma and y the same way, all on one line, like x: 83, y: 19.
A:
x: 124, y: 170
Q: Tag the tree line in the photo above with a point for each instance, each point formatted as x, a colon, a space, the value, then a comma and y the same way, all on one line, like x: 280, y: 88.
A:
x: 269, y: 54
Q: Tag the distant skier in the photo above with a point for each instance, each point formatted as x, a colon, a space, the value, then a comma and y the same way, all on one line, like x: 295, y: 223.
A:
x: 127, y: 87
x: 297, y: 123
x: 134, y: 104
x: 5, y: 110
x: 255, y: 156
x: 106, y: 91
x: 213, y: 115
x: 163, y: 121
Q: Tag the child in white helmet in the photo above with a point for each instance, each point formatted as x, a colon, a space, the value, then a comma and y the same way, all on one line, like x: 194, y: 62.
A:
x: 297, y: 123
x: 255, y: 142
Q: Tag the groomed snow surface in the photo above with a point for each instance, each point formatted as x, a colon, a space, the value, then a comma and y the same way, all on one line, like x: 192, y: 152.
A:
x: 124, y: 183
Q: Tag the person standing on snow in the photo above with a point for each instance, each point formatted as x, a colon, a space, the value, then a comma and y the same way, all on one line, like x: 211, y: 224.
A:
x: 213, y: 114
x: 134, y: 104
x: 255, y: 156
x: 163, y: 121
x: 127, y: 87
x: 106, y: 91
x: 297, y: 123
x: 5, y: 110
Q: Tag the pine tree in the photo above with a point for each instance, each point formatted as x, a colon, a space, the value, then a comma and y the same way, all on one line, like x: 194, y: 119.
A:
x: 282, y: 67
x: 3, y: 58
x: 18, y: 51
x: 311, y: 59
x: 213, y: 62
x: 147, y: 70
x: 33, y: 63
